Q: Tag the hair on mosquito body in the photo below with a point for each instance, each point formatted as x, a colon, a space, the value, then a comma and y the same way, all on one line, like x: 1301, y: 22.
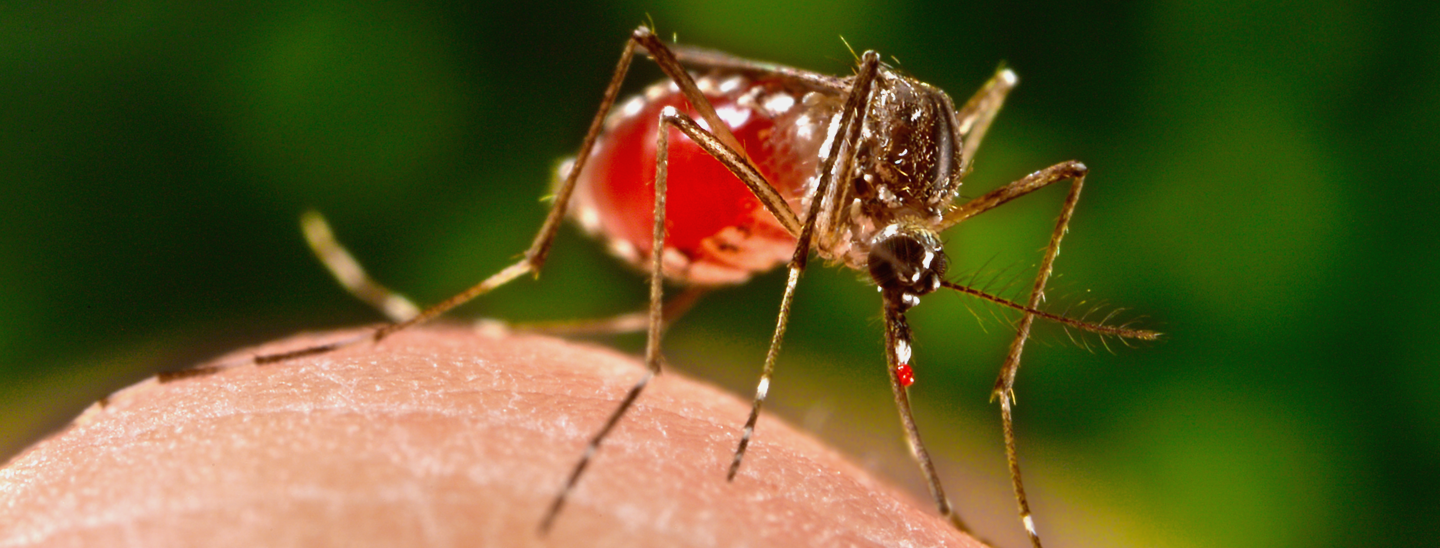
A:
x: 740, y: 167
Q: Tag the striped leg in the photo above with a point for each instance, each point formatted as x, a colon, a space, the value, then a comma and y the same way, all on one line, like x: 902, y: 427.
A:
x: 849, y: 130
x: 1005, y: 385
x: 898, y: 356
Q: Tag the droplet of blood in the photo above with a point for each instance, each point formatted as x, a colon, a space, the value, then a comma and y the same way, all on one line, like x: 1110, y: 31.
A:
x: 905, y: 374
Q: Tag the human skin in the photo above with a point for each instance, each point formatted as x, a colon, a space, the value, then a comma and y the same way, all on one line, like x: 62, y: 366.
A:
x: 440, y: 436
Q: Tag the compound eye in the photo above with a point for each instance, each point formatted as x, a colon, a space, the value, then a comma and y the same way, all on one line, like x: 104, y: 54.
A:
x: 945, y: 152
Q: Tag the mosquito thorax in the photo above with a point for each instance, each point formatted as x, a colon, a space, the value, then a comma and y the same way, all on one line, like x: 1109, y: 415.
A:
x: 906, y: 156
x: 907, y: 261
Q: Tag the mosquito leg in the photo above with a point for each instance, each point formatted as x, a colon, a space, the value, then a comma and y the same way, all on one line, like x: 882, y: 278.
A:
x: 739, y: 166
x: 975, y: 115
x: 1005, y: 384
x: 657, y: 241
x: 1007, y: 423
x: 762, y: 389
x: 348, y: 271
x: 762, y: 189
x: 1032, y: 182
x: 590, y: 450
x: 655, y: 327
x: 709, y: 58
x: 672, y: 67
x: 849, y: 130
x: 897, y: 356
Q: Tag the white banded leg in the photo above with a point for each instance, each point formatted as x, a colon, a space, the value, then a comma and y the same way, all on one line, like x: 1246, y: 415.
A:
x: 849, y: 130
x: 898, y: 356
x: 1005, y: 385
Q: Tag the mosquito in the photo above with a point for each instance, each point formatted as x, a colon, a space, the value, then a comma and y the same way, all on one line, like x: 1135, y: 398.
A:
x: 750, y: 165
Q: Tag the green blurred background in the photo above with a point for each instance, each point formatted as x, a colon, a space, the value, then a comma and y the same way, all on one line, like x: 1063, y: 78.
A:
x: 1258, y: 192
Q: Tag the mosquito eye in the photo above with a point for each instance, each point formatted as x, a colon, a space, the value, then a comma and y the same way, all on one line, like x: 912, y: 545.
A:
x: 944, y: 144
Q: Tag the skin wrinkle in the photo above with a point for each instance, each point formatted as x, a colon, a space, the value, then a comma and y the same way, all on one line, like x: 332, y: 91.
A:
x: 439, y: 437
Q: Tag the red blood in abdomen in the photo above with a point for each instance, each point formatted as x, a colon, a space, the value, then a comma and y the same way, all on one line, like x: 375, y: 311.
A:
x: 711, y: 217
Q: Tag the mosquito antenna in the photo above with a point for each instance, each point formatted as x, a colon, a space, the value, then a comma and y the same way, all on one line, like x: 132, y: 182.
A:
x: 1100, y: 328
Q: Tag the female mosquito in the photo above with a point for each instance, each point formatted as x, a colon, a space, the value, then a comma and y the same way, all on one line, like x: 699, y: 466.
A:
x: 760, y: 164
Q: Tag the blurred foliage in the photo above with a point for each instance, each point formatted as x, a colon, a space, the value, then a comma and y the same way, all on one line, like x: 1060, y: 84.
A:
x: 1258, y: 192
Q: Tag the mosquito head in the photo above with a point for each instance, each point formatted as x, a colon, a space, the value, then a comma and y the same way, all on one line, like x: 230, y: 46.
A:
x: 907, y: 260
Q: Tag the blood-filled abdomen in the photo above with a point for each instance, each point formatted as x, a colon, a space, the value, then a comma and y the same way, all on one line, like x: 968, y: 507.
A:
x: 717, y: 231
